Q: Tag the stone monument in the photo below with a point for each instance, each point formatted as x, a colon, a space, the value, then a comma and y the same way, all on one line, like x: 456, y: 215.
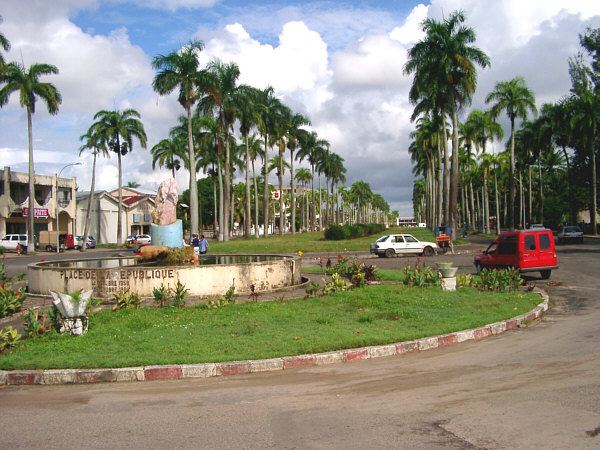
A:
x: 166, y: 229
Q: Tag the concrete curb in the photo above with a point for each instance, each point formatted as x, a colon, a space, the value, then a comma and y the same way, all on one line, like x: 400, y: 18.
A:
x: 179, y: 371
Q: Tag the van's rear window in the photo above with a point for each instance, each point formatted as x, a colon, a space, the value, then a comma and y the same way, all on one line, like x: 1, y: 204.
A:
x: 530, y: 241
x: 544, y: 242
x: 507, y: 248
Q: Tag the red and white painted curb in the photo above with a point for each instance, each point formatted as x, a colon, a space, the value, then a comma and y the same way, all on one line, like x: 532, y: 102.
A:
x: 170, y: 372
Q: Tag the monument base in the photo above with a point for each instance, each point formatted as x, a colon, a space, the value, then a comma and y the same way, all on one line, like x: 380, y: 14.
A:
x: 167, y: 235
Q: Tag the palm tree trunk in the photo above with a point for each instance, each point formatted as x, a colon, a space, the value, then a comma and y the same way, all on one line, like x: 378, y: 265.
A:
x: 248, y: 219
x: 266, y: 190
x: 573, y: 212
x: 454, y: 175
x: 511, y: 179
x: 440, y: 186
x: 497, y: 206
x: 222, y: 217
x: 281, y: 208
x: 86, y: 228
x: 312, y: 198
x: 522, y: 200
x: 192, y: 168
x: 256, y: 231
x: 227, y: 192
x: 293, y: 192
x: 120, y: 205
x: 530, y: 195
x: 593, y: 209
x: 31, y: 203
x: 541, y: 190
x: 320, y: 206
x: 486, y: 203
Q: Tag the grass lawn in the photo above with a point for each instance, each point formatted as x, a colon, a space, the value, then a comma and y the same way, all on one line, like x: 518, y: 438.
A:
x: 370, y: 316
x: 310, y: 242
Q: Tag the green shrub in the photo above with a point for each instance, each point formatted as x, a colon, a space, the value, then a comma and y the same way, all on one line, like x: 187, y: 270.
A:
x: 336, y: 233
x: 356, y: 230
x: 358, y: 273
x: 420, y: 276
x: 500, y: 280
x: 337, y: 284
x: 9, y: 337
x: 223, y: 300
x: 126, y: 299
x: 37, y: 322
x: 11, y: 301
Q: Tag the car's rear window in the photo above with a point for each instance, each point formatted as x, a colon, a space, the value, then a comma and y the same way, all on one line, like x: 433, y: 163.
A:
x: 572, y: 229
x: 544, y: 241
x: 383, y: 238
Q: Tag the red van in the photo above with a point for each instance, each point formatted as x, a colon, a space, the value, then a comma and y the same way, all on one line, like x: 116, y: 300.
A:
x: 526, y: 250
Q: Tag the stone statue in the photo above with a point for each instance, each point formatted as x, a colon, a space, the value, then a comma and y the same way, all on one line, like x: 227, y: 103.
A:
x: 165, y: 203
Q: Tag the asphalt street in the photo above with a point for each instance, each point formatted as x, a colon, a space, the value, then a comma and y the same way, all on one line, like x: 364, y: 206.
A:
x: 530, y: 387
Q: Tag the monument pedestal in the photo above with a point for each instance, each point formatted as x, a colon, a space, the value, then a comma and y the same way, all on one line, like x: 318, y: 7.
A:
x: 167, y: 235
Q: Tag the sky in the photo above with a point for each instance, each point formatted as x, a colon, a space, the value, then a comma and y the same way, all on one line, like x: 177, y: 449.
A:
x: 340, y: 63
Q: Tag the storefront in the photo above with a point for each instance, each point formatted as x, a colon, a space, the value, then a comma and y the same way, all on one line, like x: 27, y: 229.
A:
x: 53, y: 196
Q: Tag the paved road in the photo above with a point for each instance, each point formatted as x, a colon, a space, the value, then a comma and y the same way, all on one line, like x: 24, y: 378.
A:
x: 532, y: 387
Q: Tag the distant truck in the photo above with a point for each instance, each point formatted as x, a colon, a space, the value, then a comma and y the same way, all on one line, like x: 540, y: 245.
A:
x: 47, y: 241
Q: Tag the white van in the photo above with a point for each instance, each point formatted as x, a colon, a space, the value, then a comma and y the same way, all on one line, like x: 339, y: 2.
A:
x: 10, y: 242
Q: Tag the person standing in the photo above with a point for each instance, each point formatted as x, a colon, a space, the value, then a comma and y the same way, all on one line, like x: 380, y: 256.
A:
x: 196, y: 244
x: 203, y: 245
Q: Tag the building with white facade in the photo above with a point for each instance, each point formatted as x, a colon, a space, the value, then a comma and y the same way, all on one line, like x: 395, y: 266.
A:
x: 136, y: 214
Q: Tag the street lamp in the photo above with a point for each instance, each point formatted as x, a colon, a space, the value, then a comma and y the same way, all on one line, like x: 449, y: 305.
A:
x: 56, y: 207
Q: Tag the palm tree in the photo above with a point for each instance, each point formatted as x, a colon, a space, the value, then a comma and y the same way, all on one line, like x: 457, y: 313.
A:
x: 444, y: 65
x: 119, y: 129
x: 219, y: 83
x: 293, y: 141
x: 303, y: 177
x: 586, y: 122
x: 311, y: 149
x: 247, y: 116
x: 268, y: 109
x: 97, y: 144
x: 5, y: 45
x: 26, y: 82
x: 484, y: 128
x: 517, y: 100
x: 166, y: 152
x: 179, y: 69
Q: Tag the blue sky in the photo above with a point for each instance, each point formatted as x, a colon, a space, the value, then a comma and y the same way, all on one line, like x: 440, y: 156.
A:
x: 338, y: 62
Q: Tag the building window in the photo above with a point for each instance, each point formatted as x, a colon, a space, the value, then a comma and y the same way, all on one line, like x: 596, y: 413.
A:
x: 146, y: 217
x: 136, y: 218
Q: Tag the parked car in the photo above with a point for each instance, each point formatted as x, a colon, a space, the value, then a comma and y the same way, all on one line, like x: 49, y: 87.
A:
x: 403, y: 244
x: 139, y: 239
x: 91, y: 242
x: 526, y: 250
x: 11, y: 242
x: 570, y: 234
x: 537, y: 226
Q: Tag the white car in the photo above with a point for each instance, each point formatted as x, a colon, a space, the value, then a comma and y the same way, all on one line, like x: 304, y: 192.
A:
x: 402, y: 244
x: 141, y: 239
x: 570, y: 234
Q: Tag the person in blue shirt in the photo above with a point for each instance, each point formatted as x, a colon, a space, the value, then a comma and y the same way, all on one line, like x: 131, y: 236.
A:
x: 203, y: 245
